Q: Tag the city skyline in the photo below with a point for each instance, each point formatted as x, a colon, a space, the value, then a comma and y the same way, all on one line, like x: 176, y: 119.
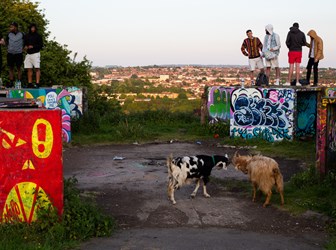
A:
x: 161, y: 32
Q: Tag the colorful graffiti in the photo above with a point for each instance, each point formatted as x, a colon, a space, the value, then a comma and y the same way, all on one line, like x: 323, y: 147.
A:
x: 306, y: 114
x: 330, y: 92
x: 31, y: 164
x: 69, y: 100
x: 219, y: 103
x: 262, y: 113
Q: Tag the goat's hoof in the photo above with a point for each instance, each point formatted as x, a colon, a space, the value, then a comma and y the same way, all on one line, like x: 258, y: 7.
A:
x: 193, y: 196
x: 207, y: 196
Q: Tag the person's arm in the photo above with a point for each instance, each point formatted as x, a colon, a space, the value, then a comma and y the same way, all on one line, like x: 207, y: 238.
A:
x: 244, y: 48
x: 278, y: 46
x: 288, y: 41
x: 319, y: 53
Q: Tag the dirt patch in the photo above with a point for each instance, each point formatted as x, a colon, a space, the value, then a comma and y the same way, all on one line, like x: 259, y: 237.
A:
x: 133, y: 190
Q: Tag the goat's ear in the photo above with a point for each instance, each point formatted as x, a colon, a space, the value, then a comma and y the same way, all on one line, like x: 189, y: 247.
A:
x: 236, y: 154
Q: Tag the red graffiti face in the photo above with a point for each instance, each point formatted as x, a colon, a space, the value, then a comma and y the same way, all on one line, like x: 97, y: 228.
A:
x: 31, y: 160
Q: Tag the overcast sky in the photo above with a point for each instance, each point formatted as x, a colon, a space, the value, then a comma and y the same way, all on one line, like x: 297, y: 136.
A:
x: 148, y: 32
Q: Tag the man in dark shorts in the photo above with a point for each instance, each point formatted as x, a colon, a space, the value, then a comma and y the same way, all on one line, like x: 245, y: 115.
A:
x: 295, y: 40
x: 15, y: 41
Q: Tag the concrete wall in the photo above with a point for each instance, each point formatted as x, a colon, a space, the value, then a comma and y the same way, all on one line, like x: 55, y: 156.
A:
x: 30, y: 163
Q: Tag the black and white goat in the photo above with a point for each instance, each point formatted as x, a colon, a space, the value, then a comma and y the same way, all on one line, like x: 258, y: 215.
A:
x: 182, y: 170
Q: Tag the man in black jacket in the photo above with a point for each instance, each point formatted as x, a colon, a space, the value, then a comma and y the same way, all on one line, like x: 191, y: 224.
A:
x: 33, y: 44
x: 295, y: 40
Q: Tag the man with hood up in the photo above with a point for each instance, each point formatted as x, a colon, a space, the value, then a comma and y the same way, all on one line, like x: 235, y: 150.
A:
x: 33, y: 44
x: 295, y: 40
x: 271, y: 50
x: 315, y: 55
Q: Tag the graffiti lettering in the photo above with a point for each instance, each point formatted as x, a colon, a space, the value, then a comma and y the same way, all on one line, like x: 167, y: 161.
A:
x: 12, y: 212
x: 259, y: 112
x: 269, y: 134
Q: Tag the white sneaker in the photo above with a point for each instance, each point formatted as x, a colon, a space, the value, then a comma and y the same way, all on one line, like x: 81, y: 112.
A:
x: 286, y: 84
x: 277, y: 82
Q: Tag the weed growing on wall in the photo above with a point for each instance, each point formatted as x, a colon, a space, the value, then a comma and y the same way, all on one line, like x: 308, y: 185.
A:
x: 81, y: 220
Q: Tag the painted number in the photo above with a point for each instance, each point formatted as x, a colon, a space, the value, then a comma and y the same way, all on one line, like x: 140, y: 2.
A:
x: 42, y: 138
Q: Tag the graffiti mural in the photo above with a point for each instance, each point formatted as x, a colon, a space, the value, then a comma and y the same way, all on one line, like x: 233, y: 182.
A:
x: 31, y: 164
x: 262, y: 113
x: 306, y: 114
x: 69, y: 100
x: 330, y: 92
x: 219, y: 103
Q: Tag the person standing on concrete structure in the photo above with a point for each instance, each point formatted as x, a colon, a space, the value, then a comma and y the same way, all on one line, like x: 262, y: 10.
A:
x: 33, y: 44
x: 295, y: 40
x: 14, y: 53
x: 252, y: 48
x: 2, y: 43
x: 315, y: 55
x: 271, y: 51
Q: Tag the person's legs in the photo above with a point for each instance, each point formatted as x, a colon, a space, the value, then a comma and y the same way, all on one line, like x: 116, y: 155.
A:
x: 277, y: 73
x: 297, y: 71
x: 19, y: 62
x: 30, y: 75
x: 316, y: 73
x: 309, y: 68
x: 290, y: 73
x: 38, y: 76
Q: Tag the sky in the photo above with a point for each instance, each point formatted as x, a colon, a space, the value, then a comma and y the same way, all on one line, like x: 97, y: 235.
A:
x: 157, y: 32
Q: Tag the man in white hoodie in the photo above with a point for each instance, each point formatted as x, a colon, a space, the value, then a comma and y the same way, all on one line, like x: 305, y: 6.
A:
x: 271, y: 51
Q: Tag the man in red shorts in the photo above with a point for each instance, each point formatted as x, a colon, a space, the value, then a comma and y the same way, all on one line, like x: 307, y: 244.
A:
x: 295, y: 40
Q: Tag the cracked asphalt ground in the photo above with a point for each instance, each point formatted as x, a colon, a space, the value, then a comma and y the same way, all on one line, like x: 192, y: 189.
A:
x: 130, y: 184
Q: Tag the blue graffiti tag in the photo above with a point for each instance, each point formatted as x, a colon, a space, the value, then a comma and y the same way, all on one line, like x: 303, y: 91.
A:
x: 259, y: 112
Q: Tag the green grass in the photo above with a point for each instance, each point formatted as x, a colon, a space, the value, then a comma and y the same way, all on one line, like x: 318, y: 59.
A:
x: 81, y: 220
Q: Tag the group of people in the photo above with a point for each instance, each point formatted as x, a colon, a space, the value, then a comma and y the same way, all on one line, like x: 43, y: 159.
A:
x: 17, y: 43
x: 270, y: 50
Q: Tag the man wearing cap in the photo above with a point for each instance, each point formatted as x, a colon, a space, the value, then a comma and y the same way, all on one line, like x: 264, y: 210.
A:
x: 15, y: 41
x: 295, y: 40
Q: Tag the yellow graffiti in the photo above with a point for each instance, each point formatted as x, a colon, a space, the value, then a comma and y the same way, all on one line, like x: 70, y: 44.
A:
x: 42, y: 138
x: 11, y: 137
x: 23, y: 203
x: 326, y: 101
x: 28, y: 165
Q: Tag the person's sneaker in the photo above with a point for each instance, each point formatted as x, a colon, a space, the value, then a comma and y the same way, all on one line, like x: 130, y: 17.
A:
x: 36, y: 86
x: 277, y: 82
x: 30, y: 86
x: 303, y: 82
x: 252, y: 83
x: 286, y: 84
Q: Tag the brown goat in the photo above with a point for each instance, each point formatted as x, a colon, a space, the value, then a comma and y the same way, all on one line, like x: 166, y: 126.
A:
x: 264, y: 173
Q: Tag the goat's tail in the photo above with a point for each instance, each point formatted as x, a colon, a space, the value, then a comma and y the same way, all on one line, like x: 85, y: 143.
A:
x: 278, y: 179
x: 169, y: 163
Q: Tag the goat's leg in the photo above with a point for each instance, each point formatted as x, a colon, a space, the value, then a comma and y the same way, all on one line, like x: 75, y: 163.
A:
x: 205, y: 193
x: 171, y: 191
x: 254, y: 185
x: 193, y: 194
x: 268, y: 198
x: 282, y: 197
